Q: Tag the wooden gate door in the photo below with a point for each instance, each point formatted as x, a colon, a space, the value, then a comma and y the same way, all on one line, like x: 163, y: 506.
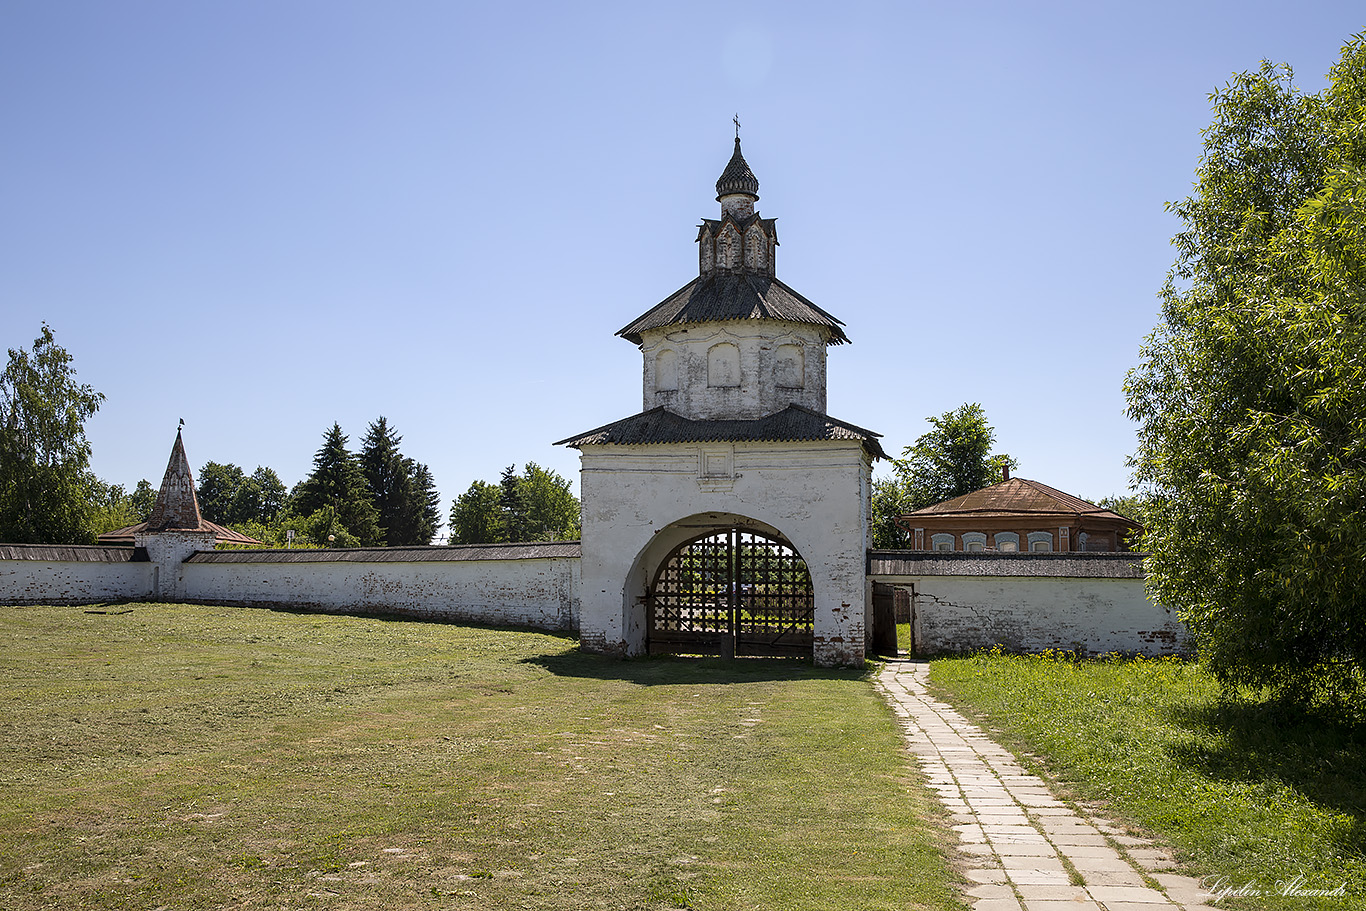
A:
x: 732, y: 591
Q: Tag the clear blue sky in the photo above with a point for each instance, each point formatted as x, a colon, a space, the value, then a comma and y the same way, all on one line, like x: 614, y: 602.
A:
x: 265, y: 217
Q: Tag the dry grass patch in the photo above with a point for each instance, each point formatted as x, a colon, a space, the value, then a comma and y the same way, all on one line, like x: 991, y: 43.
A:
x: 205, y: 757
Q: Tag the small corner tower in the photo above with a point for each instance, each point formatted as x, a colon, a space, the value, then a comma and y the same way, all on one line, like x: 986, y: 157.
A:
x: 175, y: 530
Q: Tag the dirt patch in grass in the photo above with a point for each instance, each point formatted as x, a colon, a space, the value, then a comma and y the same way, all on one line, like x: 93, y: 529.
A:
x: 205, y: 757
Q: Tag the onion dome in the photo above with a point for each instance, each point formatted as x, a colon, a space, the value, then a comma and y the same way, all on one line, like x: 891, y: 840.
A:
x: 737, y: 177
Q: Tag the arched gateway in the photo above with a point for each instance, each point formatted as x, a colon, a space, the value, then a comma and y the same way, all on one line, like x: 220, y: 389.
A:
x: 731, y: 591
x: 733, y: 432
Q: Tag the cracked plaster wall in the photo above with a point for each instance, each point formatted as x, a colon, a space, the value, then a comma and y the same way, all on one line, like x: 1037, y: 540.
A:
x: 955, y: 614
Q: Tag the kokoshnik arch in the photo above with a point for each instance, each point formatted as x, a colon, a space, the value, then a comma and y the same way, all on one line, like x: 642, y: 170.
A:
x: 731, y: 515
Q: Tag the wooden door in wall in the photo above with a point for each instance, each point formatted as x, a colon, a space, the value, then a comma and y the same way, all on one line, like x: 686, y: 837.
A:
x: 732, y: 591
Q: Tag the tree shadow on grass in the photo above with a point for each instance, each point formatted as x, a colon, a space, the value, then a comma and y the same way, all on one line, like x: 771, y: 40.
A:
x: 672, y: 670
x: 1266, y: 744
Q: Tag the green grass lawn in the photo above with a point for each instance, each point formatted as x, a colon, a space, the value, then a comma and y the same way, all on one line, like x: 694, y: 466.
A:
x: 203, y: 757
x: 1241, y: 789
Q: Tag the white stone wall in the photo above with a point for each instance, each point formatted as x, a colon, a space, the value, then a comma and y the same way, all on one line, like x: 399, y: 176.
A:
x: 168, y: 551
x: 685, y: 383
x: 954, y: 614
x: 541, y: 593
x: 63, y: 582
x: 640, y: 501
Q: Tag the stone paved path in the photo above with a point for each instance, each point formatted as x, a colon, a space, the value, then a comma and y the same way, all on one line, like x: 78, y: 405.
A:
x: 1018, y: 840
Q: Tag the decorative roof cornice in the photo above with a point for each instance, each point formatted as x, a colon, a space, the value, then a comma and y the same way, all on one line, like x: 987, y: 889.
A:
x: 734, y: 297
x: 793, y: 424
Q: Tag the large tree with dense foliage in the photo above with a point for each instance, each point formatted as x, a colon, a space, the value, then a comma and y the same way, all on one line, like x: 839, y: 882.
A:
x: 476, y: 517
x: 1251, y: 392
x: 536, y: 505
x: 45, y: 483
x: 953, y: 458
x: 338, y: 484
x: 229, y: 496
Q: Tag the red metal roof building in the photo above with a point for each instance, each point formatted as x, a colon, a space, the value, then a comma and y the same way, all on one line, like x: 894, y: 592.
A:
x: 1018, y: 515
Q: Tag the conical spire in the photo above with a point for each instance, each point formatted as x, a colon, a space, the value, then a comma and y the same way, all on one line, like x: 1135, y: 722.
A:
x: 737, y: 177
x: 176, y: 505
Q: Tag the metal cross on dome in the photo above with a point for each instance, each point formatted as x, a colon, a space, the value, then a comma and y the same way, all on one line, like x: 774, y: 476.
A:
x: 736, y: 118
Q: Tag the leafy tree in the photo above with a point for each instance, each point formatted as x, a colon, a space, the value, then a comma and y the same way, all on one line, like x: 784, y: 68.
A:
x: 143, y: 498
x: 952, y: 459
x: 111, y: 507
x: 217, y: 488
x: 45, y: 483
x: 1128, y: 506
x: 261, y: 497
x: 337, y: 482
x: 476, y: 517
x: 1251, y: 392
x: 550, y: 509
x: 892, y: 497
x: 229, y: 496
x: 536, y: 505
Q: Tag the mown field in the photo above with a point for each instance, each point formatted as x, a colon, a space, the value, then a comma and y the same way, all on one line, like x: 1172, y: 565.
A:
x: 173, y: 756
x: 1258, y: 798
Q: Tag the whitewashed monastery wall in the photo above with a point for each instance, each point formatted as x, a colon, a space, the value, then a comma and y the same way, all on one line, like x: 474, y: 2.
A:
x: 512, y: 585
x: 71, y: 575
x: 1092, y: 603
x: 536, y: 592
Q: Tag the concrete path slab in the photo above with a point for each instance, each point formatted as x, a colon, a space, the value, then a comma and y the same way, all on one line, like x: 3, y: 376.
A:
x: 1022, y: 847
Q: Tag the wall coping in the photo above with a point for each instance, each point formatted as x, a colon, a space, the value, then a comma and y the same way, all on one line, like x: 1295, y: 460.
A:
x: 74, y: 553
x: 1077, y: 565
x: 435, y: 554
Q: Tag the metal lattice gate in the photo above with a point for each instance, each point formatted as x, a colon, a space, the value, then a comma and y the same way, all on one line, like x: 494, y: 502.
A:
x: 732, y: 591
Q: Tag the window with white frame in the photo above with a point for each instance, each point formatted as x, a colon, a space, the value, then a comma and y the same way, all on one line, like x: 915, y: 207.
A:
x: 1040, y: 542
x: 1006, y: 541
x: 941, y: 542
x: 974, y: 541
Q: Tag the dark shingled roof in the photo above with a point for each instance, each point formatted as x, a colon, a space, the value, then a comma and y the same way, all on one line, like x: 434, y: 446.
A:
x: 793, y: 423
x: 531, y: 551
x: 734, y: 297
x: 73, y: 553
x: 737, y: 177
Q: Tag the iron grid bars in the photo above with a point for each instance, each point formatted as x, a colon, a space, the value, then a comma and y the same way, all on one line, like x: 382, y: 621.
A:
x: 732, y: 591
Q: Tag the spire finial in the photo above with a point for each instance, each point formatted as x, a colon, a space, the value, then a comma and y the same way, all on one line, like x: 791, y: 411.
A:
x: 736, y: 118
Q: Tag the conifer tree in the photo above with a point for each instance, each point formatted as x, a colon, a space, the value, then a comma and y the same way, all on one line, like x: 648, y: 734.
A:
x: 425, y: 504
x: 387, y: 477
x: 337, y: 482
x: 512, y: 505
